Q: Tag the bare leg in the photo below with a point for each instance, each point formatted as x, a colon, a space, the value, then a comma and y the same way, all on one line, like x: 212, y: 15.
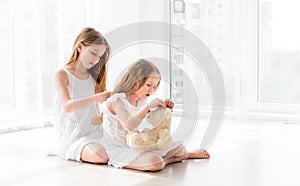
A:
x: 198, y: 154
x: 148, y: 161
x: 176, y: 155
x: 94, y: 153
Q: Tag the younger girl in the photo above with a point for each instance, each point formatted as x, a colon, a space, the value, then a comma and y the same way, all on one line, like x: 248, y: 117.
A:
x: 125, y: 112
x: 80, y: 85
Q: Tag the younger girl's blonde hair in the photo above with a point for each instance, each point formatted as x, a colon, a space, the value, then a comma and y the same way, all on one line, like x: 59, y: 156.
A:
x: 87, y: 37
x: 136, y: 76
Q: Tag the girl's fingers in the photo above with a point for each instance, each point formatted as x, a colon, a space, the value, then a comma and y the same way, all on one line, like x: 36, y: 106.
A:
x: 169, y: 103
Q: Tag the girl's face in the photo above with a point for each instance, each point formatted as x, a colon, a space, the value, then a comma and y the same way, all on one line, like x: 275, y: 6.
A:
x: 90, y: 55
x: 148, y: 88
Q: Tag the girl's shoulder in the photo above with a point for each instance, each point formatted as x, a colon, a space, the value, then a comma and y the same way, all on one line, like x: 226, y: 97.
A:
x: 62, y: 72
x: 116, y: 96
x: 117, y: 99
x: 61, y: 75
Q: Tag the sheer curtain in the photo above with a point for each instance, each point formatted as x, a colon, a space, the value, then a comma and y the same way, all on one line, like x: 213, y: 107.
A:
x: 37, y: 37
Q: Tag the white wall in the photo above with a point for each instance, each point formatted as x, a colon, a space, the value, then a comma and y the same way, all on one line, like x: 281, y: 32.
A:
x: 156, y: 10
x: 116, y: 14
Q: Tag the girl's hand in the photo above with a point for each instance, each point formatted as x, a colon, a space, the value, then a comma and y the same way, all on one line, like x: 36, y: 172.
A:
x: 169, y: 103
x: 100, y: 97
x: 157, y: 103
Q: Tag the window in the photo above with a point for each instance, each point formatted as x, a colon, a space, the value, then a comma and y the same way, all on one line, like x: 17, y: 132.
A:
x: 219, y: 25
x: 255, y: 44
x: 279, y: 62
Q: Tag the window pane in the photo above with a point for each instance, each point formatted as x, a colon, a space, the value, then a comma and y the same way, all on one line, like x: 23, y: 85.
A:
x: 279, y: 51
x: 218, y: 24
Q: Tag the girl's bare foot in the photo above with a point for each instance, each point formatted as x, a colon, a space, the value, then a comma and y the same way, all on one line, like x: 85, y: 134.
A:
x: 176, y: 159
x: 198, y: 154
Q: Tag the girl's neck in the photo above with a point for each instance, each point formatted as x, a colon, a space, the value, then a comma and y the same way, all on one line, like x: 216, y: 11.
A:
x: 78, y: 70
x: 132, y: 99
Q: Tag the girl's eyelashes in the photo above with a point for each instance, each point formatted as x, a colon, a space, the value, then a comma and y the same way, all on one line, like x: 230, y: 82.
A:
x: 149, y: 85
x: 94, y: 54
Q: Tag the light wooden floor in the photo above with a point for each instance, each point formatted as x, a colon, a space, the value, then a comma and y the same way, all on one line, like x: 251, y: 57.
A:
x: 244, y: 154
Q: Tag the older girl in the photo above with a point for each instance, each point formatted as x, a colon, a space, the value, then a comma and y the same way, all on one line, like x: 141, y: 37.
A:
x: 80, y: 85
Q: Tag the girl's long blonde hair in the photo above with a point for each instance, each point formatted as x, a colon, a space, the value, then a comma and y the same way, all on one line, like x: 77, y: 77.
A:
x: 87, y: 37
x: 136, y: 76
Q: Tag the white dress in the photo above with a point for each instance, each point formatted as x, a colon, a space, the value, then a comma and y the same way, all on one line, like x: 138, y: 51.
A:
x: 119, y: 153
x: 74, y: 130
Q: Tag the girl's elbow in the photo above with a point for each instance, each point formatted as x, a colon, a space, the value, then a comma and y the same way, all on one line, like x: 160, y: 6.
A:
x: 130, y: 128
x: 127, y: 128
x: 68, y: 108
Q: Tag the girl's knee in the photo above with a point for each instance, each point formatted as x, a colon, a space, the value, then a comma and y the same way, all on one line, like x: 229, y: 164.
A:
x: 158, y: 166
x: 97, y: 157
x: 100, y: 156
x: 100, y: 159
x: 94, y: 153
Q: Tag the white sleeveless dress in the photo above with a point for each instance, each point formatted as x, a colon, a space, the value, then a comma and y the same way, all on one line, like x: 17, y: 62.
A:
x: 74, y: 130
x: 119, y: 153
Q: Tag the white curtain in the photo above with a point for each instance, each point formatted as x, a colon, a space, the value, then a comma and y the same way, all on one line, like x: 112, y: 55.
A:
x: 37, y: 37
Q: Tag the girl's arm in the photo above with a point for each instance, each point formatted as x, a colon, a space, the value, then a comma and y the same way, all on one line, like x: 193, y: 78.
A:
x: 130, y: 122
x: 69, y: 105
